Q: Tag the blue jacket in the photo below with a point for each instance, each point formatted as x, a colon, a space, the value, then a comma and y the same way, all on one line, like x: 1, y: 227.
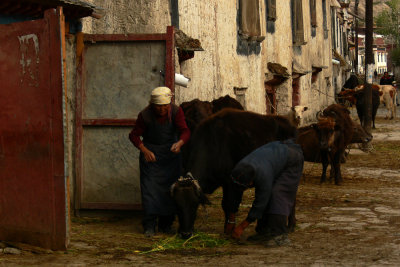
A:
x: 263, y: 167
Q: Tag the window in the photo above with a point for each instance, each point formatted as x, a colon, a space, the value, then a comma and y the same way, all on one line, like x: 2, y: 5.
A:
x: 270, y: 97
x: 325, y: 22
x: 271, y: 10
x: 250, y: 28
x: 297, y: 22
x: 313, y: 13
x: 344, y: 42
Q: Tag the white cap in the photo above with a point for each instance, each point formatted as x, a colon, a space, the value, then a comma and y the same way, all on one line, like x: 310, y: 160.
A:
x: 161, y: 96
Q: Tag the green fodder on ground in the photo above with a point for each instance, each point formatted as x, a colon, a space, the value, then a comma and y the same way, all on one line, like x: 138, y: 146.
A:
x: 198, y: 241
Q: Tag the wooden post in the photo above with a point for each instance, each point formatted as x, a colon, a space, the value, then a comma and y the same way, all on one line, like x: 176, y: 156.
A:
x: 369, y: 65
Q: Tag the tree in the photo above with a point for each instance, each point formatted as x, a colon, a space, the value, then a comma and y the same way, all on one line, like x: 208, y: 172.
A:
x: 388, y: 24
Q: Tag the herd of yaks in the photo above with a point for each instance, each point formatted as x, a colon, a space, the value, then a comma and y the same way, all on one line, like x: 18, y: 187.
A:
x: 223, y: 133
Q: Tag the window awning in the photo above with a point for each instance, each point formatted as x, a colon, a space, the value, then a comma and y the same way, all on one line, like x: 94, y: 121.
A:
x: 318, y: 68
x: 278, y: 69
x: 277, y: 74
x: 186, y: 45
x: 354, y: 14
x: 342, y: 60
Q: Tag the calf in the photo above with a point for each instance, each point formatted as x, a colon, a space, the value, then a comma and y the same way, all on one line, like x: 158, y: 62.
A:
x: 295, y: 115
x: 317, y: 140
x: 187, y: 195
x: 343, y: 135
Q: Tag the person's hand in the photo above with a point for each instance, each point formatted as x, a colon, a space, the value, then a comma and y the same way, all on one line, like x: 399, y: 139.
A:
x: 176, y: 147
x: 148, y: 155
x: 238, y: 231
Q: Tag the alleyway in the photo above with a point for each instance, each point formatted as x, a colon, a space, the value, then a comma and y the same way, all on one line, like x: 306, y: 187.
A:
x: 355, y: 224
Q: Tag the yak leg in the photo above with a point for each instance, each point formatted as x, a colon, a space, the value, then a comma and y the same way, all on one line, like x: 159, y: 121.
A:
x: 325, y: 162
x: 231, y: 199
x: 336, y: 166
x: 391, y: 110
x: 373, y: 118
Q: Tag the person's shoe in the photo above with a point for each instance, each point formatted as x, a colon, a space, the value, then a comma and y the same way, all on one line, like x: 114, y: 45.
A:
x: 279, y: 240
x: 258, y: 237
x: 149, y: 233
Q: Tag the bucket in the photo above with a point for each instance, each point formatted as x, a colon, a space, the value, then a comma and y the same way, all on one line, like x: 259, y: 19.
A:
x: 181, y: 80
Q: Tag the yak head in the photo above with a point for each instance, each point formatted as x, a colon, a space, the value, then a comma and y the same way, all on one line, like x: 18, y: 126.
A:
x: 360, y: 135
x: 326, y: 132
x: 187, y: 195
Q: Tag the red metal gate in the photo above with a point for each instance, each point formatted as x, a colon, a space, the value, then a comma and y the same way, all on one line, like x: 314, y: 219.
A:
x: 116, y: 73
x: 32, y: 178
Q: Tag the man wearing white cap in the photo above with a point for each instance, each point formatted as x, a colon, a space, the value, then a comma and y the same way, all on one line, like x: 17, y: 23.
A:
x: 164, y: 131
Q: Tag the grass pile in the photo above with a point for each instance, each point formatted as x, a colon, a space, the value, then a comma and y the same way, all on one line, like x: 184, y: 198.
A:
x: 198, y: 240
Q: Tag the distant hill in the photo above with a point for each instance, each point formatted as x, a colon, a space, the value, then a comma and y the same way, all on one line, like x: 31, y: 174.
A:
x: 379, y: 6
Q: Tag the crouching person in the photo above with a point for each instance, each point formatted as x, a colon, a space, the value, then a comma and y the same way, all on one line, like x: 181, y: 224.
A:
x: 274, y: 170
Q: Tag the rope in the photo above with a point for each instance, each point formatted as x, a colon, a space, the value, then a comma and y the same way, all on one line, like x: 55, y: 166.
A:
x: 366, y: 147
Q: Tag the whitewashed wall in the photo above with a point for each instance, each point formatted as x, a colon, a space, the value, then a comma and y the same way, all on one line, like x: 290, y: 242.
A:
x: 217, y: 70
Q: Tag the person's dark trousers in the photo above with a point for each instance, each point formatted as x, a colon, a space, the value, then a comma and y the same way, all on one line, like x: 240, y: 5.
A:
x: 149, y: 222
x: 272, y: 224
x: 165, y: 223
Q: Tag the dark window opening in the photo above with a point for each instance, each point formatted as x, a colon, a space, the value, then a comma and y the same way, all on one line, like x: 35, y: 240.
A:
x: 315, y: 72
x: 271, y: 10
x: 296, y: 92
x: 325, y: 22
x: 297, y: 22
x: 313, y: 13
x: 270, y: 97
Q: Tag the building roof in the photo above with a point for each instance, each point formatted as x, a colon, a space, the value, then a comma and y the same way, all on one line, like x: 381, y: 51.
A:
x: 34, y: 8
x: 379, y: 41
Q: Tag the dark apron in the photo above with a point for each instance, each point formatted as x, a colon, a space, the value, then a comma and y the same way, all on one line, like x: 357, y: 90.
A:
x: 157, y: 177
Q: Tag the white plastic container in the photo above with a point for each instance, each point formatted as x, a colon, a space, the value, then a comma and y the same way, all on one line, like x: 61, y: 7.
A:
x: 181, y: 80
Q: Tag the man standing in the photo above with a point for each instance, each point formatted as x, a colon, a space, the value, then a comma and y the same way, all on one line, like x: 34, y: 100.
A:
x: 164, y: 131
x: 386, y: 79
x: 274, y: 170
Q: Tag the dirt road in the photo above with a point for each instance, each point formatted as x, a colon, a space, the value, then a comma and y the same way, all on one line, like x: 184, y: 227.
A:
x: 355, y: 224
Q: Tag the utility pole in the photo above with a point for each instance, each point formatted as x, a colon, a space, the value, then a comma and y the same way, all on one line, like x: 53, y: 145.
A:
x: 369, y: 65
x: 356, y: 36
